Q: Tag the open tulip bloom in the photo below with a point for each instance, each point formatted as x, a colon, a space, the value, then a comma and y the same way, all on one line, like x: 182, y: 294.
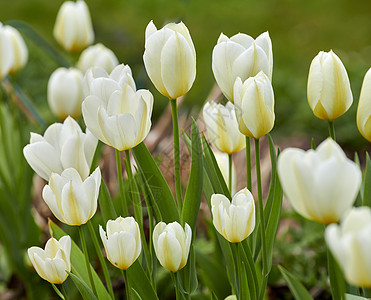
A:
x: 52, y: 263
x: 321, y: 185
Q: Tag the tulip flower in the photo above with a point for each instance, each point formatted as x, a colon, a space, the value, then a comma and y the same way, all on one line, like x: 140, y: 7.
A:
x: 321, y: 185
x: 97, y: 55
x: 122, y: 241
x: 170, y: 59
x: 115, y: 112
x: 65, y: 93
x: 234, y: 220
x: 73, y: 29
x: 329, y: 93
x: 364, y: 108
x: 13, y: 50
x: 72, y: 200
x: 350, y: 244
x: 254, y: 105
x: 62, y: 146
x: 172, y: 243
x: 241, y: 56
x: 222, y: 127
x: 223, y: 164
x: 52, y: 263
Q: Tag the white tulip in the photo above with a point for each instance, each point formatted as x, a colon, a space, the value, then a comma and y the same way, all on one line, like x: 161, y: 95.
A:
x: 73, y: 29
x: 234, y: 220
x: 222, y: 127
x: 170, y: 59
x: 72, y: 200
x: 52, y: 263
x: 97, y: 55
x: 350, y: 243
x: 222, y: 160
x: 62, y: 146
x: 254, y: 105
x: 172, y: 244
x: 328, y: 91
x: 65, y: 92
x: 321, y: 185
x: 364, y: 108
x: 115, y: 112
x: 241, y: 56
x: 122, y: 241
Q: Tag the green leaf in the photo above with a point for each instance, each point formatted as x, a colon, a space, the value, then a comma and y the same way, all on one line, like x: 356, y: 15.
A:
x: 250, y: 270
x: 187, y: 277
x: 337, y: 282
x: 296, y: 288
x: 192, y: 199
x: 84, y: 290
x: 245, y: 292
x: 105, y: 203
x: 358, y: 201
x: 366, y: 201
x: 159, y: 188
x: 135, y: 295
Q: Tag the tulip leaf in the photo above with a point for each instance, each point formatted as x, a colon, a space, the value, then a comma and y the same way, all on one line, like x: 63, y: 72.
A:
x: 273, y: 157
x: 160, y: 190
x: 296, y: 288
x: 192, y: 199
x: 252, y: 278
x: 78, y: 263
x: 85, y: 291
x: 358, y: 201
x: 105, y: 203
x: 337, y: 282
x: 187, y: 277
x: 135, y: 295
x: 366, y: 183
x: 244, y: 288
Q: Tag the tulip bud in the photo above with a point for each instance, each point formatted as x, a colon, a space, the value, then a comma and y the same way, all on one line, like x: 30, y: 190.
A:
x: 321, y: 185
x: 241, y: 56
x: 72, y: 200
x: 172, y: 243
x: 350, y: 244
x: 222, y: 160
x: 65, y: 92
x: 122, y: 241
x: 13, y: 50
x: 115, y: 112
x: 52, y: 263
x: 62, y: 146
x: 254, y: 105
x: 329, y: 93
x: 97, y: 55
x: 73, y: 29
x: 364, y: 108
x: 170, y: 59
x: 222, y: 127
x: 234, y: 221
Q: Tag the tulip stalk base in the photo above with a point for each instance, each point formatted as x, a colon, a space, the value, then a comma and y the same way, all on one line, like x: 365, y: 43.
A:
x: 175, y: 281
x: 248, y: 164
x: 238, y: 268
x: 125, y: 208
x: 331, y: 130
x: 61, y: 294
x: 230, y: 173
x: 337, y: 283
x: 127, y: 285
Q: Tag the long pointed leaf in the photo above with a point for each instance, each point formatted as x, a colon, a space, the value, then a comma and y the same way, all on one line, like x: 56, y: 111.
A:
x: 84, y: 290
x: 296, y: 288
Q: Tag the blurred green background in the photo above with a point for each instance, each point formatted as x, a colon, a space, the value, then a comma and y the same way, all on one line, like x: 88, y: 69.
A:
x: 298, y: 29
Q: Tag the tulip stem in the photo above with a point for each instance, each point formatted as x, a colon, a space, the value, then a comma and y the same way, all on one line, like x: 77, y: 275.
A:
x: 127, y: 285
x: 88, y: 267
x: 331, y: 130
x: 175, y: 281
x: 124, y: 203
x: 238, y: 268
x: 248, y: 164
x: 58, y: 292
x: 336, y: 278
x: 230, y: 173
x: 63, y: 291
x: 178, y: 188
x: 101, y: 259
x: 261, y: 217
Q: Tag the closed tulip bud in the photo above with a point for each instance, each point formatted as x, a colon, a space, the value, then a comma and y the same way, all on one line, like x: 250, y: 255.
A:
x: 329, y: 93
x: 53, y: 263
x: 170, y: 59
x: 73, y: 29
x: 115, y: 112
x: 321, y: 185
x: 62, y: 146
x: 241, y: 56
x: 65, y: 92
x: 222, y: 160
x: 72, y: 200
x: 222, y: 127
x: 13, y: 50
x: 350, y: 244
x: 234, y: 220
x: 99, y: 56
x: 121, y: 242
x: 254, y: 105
x: 364, y: 108
x: 172, y: 243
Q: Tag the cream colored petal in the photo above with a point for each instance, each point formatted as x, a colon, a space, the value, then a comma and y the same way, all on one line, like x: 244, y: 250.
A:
x: 364, y: 107
x: 169, y: 251
x: 150, y: 29
x: 75, y: 205
x: 315, y: 81
x: 243, y: 39
x: 264, y: 41
x: 121, y: 249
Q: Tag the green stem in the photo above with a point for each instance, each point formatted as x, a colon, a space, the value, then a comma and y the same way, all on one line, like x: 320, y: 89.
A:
x: 248, y: 164
x: 63, y: 291
x: 239, y: 274
x: 331, y: 130
x: 178, y: 188
x: 124, y: 203
x: 88, y: 267
x: 127, y: 285
x: 230, y: 173
x: 175, y: 281
x: 101, y: 259
x: 58, y: 292
x: 261, y: 218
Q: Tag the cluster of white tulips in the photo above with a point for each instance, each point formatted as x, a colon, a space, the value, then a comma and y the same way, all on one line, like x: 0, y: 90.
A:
x: 321, y: 184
